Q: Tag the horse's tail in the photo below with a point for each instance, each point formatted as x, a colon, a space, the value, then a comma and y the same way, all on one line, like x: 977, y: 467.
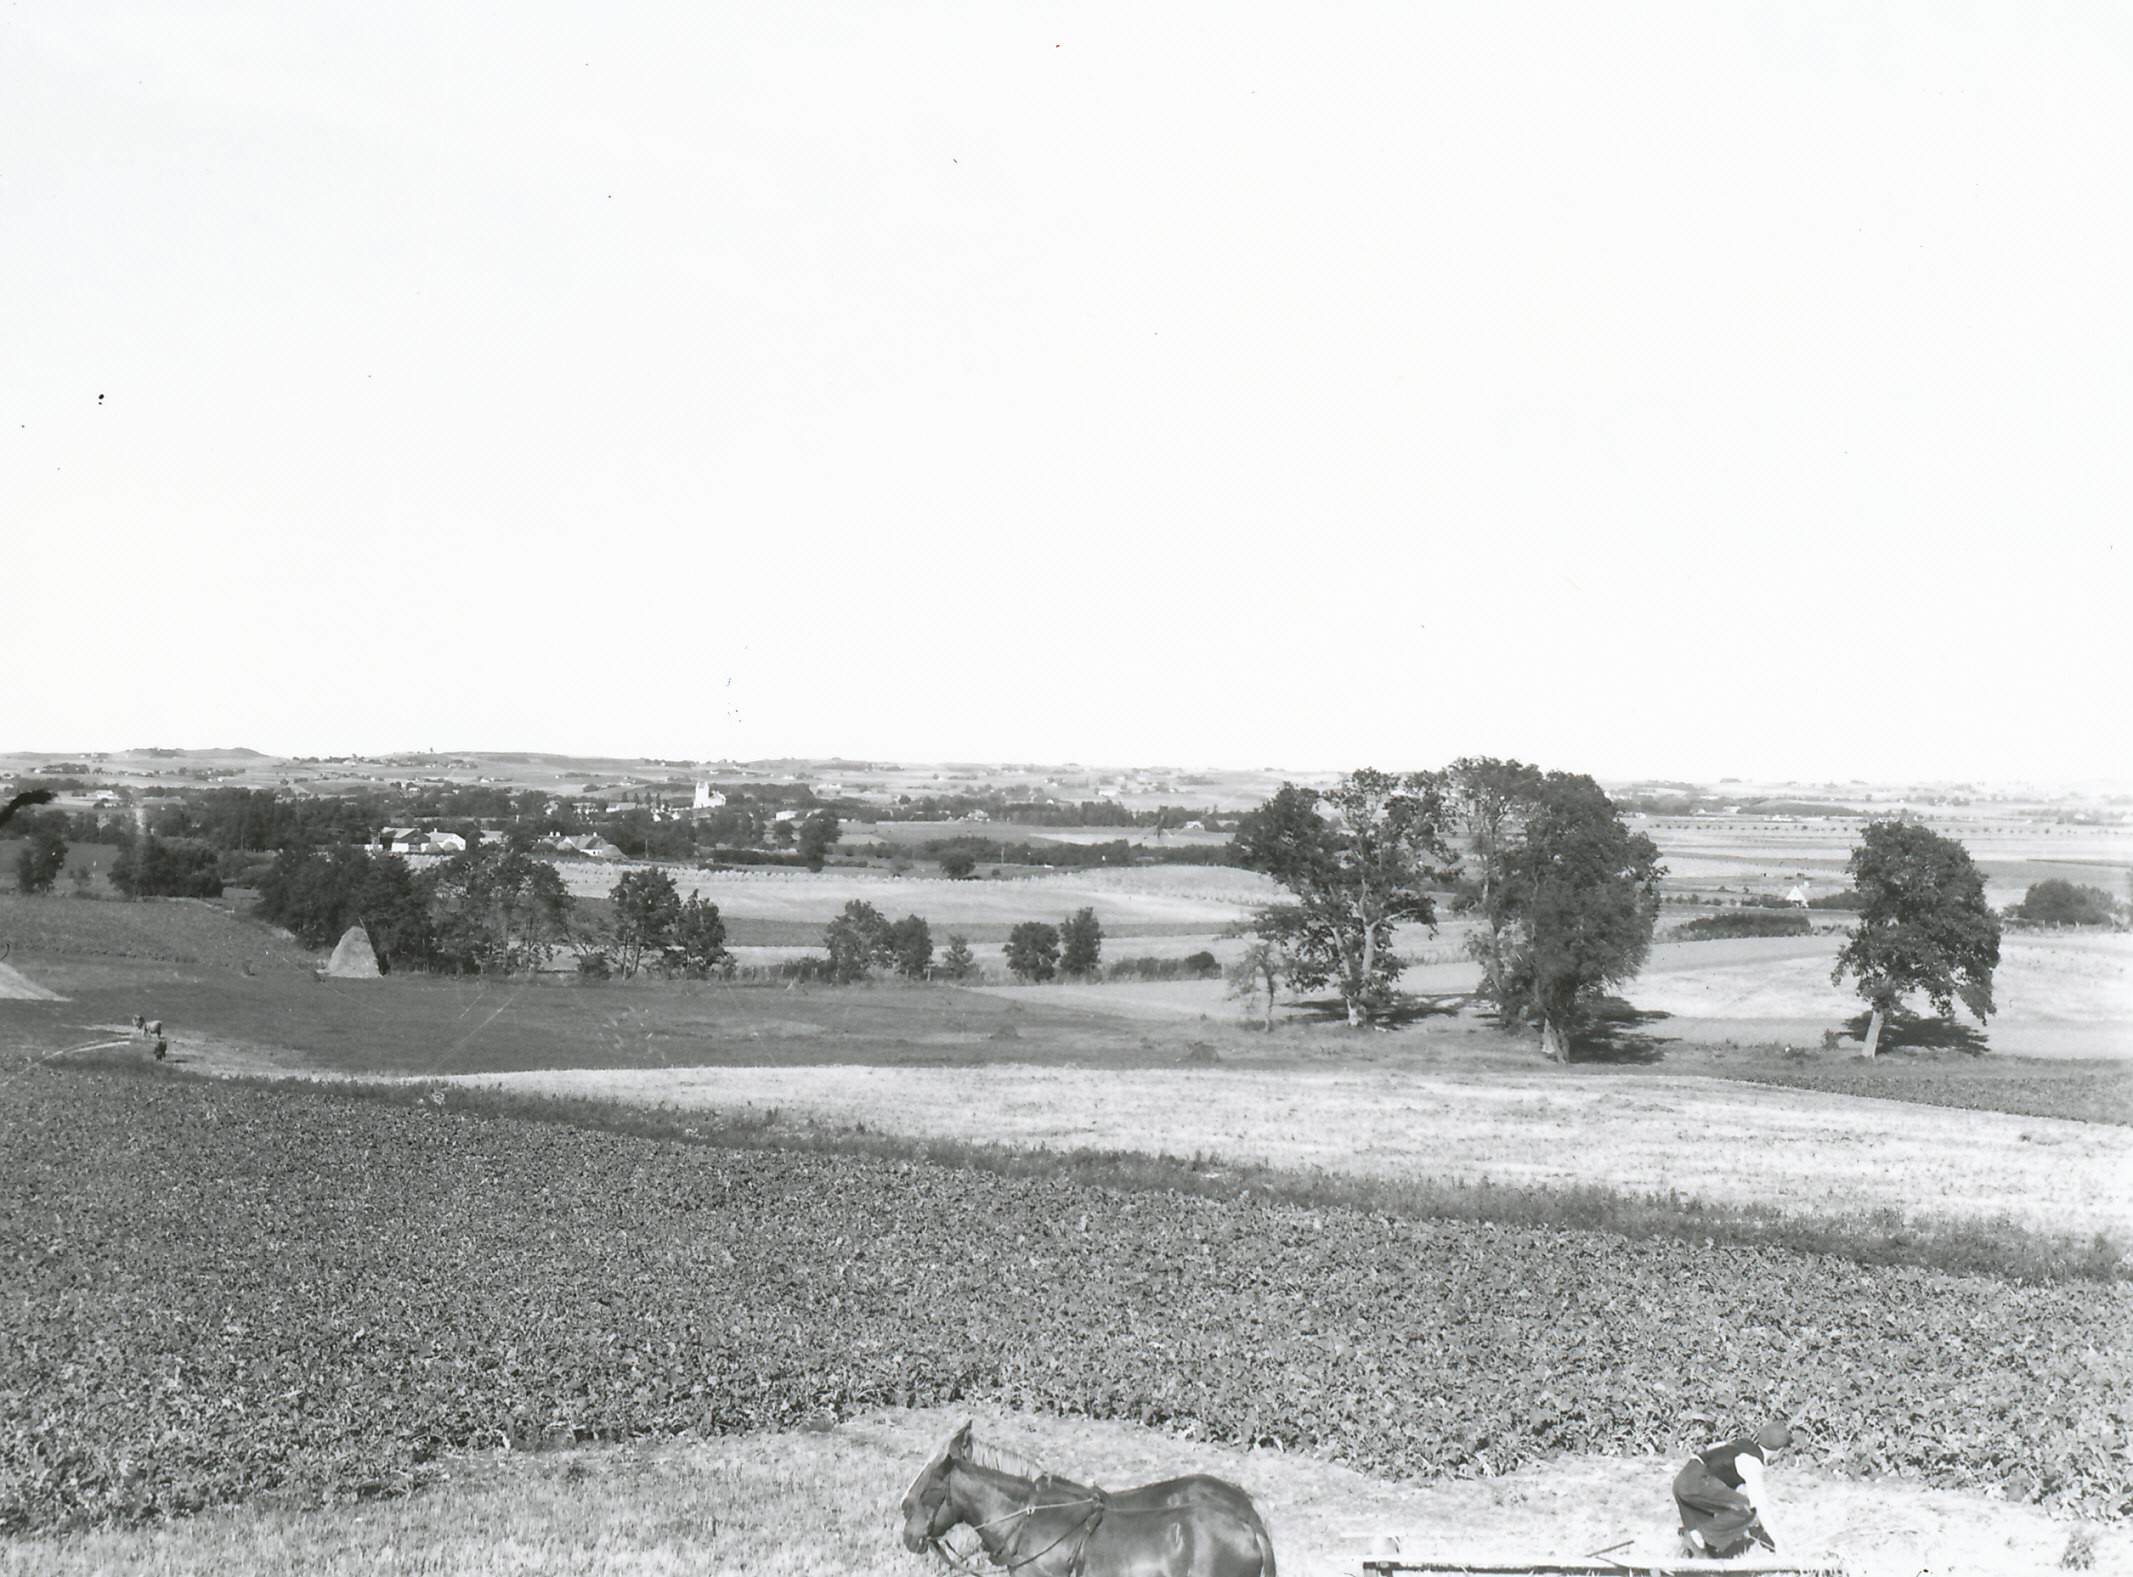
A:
x: 1266, y: 1549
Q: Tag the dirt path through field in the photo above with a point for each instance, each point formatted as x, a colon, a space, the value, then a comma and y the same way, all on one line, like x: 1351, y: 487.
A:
x: 15, y: 986
x: 1717, y: 1140
x: 823, y: 1503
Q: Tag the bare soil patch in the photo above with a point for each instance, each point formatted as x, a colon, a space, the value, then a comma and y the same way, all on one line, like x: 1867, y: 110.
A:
x: 822, y: 1503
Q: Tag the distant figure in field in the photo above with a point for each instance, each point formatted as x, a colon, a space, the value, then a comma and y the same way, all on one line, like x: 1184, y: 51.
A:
x: 1721, y: 1497
x: 162, y: 1046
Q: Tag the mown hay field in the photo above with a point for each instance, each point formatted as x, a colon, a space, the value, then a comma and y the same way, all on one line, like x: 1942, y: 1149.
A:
x: 1208, y: 898
x: 1794, y: 1151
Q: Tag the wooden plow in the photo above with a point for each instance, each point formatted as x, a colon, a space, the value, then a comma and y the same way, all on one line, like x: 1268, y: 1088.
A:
x: 1602, y: 1566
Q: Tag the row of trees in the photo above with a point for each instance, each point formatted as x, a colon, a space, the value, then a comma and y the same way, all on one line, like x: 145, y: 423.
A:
x: 1565, y: 896
x: 496, y: 907
x: 862, y: 939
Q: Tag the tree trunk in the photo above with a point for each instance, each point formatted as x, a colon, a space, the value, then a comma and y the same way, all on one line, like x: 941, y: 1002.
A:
x: 1362, y: 984
x: 1552, y: 1044
x: 1873, y: 1034
x: 1270, y: 1004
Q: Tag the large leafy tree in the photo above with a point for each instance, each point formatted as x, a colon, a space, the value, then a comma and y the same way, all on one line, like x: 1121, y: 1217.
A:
x: 1923, y: 926
x: 1485, y: 802
x: 1033, y: 950
x: 43, y: 854
x: 818, y: 831
x: 910, y: 947
x: 697, y: 945
x: 647, y: 908
x: 857, y: 940
x: 1358, y: 857
x: 1081, y: 945
x: 1572, y: 907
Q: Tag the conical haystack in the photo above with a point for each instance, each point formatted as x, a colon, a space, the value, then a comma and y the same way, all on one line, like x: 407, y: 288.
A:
x: 353, y: 957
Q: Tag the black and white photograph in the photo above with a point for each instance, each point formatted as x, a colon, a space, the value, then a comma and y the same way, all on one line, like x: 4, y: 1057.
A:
x: 1066, y: 790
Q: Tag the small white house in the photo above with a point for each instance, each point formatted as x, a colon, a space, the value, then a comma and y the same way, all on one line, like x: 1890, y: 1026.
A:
x: 419, y: 840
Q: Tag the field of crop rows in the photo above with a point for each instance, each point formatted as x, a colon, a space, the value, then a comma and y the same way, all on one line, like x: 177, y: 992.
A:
x: 218, y: 1290
x: 2085, y: 1092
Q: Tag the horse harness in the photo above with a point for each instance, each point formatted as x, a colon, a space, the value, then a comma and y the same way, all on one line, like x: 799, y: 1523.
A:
x: 1084, y: 1528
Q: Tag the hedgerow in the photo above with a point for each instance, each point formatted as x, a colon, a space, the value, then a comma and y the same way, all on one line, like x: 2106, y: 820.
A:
x: 219, y: 1290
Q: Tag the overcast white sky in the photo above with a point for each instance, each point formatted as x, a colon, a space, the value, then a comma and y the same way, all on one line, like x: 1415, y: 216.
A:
x: 1670, y: 390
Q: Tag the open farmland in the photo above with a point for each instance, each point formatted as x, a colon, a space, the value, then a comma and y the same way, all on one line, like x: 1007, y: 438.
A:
x: 1154, y: 899
x: 1796, y: 1152
x: 1735, y: 854
x: 303, y: 1289
x: 275, y: 1286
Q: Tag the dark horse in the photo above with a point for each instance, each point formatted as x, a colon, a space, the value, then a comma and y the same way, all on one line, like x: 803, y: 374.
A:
x: 1049, y: 1526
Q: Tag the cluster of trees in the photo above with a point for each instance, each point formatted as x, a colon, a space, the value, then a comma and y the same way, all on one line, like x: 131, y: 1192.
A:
x: 1073, y: 948
x: 2057, y: 901
x: 1039, y: 813
x: 1566, y: 894
x: 652, y: 921
x: 1565, y: 897
x: 491, y: 908
x: 497, y: 907
x: 958, y: 857
x: 148, y: 866
x: 862, y: 939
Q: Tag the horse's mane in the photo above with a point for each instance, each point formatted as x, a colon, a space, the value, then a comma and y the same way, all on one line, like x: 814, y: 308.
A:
x: 1000, y: 1459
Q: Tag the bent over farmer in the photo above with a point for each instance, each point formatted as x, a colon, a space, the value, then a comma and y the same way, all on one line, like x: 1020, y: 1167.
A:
x: 1720, y: 1494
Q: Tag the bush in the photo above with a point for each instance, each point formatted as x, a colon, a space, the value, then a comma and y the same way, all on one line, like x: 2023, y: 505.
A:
x: 726, y: 858
x: 1195, y: 966
x: 2061, y: 902
x: 1850, y: 898
x: 957, y: 864
x: 957, y: 963
x: 1750, y: 922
